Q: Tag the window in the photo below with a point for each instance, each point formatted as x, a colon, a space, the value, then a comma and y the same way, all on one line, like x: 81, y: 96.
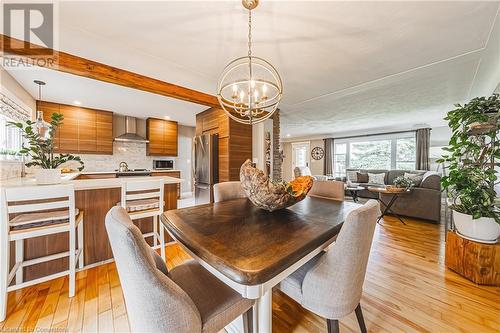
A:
x: 370, y: 155
x: 340, y: 159
x: 394, y: 151
x: 10, y: 139
x: 405, y: 153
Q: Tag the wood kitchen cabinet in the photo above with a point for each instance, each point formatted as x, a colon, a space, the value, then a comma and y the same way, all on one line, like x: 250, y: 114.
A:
x: 84, y: 130
x: 235, y: 141
x: 175, y: 174
x: 162, y: 136
x: 104, y: 132
x: 87, y: 130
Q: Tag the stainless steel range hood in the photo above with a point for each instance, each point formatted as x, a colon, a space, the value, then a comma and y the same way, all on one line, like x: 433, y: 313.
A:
x: 130, y: 134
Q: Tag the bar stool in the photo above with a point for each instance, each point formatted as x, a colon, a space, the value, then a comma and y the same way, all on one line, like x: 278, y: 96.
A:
x: 144, y: 198
x: 29, y: 212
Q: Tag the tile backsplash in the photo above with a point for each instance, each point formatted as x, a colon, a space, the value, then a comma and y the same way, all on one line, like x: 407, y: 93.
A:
x: 10, y: 169
x: 134, y: 153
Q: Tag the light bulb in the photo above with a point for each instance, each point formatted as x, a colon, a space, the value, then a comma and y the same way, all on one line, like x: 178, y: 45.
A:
x: 252, y: 84
x: 42, y: 127
x: 242, y: 95
x: 235, y: 88
x: 264, y: 89
x: 256, y: 94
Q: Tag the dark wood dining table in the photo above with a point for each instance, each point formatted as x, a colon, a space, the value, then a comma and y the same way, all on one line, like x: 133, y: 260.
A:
x: 252, y: 250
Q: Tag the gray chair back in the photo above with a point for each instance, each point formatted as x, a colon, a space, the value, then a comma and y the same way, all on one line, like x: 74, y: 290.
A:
x: 332, y: 287
x: 330, y: 189
x: 228, y: 191
x: 154, y: 302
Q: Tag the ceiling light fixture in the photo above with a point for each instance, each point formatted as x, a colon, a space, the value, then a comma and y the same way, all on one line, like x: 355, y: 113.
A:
x: 249, y: 88
x: 77, y: 103
x: 41, y: 126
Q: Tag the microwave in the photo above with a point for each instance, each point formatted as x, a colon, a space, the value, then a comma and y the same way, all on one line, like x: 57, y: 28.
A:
x: 163, y: 164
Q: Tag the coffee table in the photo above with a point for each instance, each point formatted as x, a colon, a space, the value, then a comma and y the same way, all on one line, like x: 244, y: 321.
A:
x: 387, y: 207
x: 354, y: 191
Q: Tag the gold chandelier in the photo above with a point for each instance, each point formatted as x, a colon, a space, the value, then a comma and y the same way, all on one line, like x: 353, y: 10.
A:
x: 250, y: 88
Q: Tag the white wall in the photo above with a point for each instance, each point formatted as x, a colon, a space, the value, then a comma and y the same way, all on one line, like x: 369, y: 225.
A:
x: 12, y: 89
x: 440, y: 137
x: 185, y: 158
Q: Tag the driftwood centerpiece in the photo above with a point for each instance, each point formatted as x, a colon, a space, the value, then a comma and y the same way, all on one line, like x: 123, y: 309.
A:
x: 269, y: 195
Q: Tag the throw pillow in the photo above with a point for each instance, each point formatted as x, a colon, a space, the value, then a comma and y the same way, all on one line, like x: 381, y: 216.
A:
x: 362, y: 177
x: 376, y: 178
x: 415, y: 177
x: 352, y: 176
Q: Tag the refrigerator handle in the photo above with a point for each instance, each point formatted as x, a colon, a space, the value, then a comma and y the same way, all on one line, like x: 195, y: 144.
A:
x: 193, y: 165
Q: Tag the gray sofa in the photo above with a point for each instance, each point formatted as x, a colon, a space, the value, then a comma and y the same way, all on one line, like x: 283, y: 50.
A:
x: 424, y: 202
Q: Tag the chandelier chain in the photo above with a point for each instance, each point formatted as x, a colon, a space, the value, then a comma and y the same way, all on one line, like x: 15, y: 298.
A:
x: 249, y: 32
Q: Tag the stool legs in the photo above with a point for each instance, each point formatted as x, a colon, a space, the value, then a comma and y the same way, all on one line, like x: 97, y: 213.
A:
x: 162, y: 242
x: 19, y: 259
x: 4, y: 272
x: 80, y: 244
x: 72, y: 252
x: 155, y: 231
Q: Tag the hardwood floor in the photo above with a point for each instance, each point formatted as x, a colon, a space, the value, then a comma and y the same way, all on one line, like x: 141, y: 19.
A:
x: 407, y: 289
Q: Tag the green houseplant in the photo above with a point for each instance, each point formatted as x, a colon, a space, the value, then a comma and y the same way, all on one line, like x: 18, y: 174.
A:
x: 403, y: 182
x: 40, y: 151
x: 471, y: 156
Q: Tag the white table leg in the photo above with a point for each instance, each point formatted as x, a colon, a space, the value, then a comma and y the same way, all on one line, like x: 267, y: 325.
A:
x: 263, y: 313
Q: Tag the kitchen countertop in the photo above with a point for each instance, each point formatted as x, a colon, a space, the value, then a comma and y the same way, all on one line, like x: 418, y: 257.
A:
x: 114, y: 171
x: 83, y: 184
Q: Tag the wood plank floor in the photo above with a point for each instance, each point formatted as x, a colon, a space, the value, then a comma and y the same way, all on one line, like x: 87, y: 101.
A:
x: 407, y: 289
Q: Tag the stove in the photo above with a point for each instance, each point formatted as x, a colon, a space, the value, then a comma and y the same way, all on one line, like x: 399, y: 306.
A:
x: 133, y: 173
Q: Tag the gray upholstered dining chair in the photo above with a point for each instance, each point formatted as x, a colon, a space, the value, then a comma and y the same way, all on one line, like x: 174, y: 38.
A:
x: 331, y: 284
x: 330, y: 189
x: 227, y: 191
x: 185, y: 299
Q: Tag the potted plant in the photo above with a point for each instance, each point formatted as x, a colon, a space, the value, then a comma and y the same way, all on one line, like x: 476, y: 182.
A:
x: 41, y: 151
x: 403, y: 182
x: 472, y: 156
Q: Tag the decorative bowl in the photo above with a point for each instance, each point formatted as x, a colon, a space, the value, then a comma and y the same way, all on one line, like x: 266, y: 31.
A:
x: 270, y: 195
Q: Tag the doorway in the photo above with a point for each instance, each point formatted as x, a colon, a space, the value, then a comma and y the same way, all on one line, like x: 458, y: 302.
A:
x: 300, y: 155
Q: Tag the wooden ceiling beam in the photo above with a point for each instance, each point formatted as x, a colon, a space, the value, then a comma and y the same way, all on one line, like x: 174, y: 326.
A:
x: 64, y: 62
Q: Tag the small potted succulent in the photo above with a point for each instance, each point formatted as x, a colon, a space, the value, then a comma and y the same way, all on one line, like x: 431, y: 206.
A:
x: 40, y: 150
x: 472, y: 165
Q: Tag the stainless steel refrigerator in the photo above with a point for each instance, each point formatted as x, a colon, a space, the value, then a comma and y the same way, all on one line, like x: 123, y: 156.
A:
x: 206, y: 168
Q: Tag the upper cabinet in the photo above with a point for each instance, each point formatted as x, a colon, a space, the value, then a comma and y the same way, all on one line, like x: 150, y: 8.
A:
x: 162, y: 136
x: 83, y: 130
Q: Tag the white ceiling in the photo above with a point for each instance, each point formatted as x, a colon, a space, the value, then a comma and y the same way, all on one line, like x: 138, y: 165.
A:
x: 346, y: 66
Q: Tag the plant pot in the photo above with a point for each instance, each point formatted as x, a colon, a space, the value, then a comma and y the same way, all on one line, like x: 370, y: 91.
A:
x: 48, y: 176
x: 484, y: 229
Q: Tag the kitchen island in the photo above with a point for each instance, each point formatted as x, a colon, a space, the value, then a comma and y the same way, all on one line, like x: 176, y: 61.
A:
x: 95, y: 197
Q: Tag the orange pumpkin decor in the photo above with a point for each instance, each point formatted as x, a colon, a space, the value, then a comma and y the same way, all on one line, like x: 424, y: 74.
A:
x: 269, y: 195
x: 300, y: 186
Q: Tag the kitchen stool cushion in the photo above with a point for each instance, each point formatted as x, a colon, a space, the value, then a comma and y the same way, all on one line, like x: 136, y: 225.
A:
x: 141, y: 204
x: 39, y: 219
